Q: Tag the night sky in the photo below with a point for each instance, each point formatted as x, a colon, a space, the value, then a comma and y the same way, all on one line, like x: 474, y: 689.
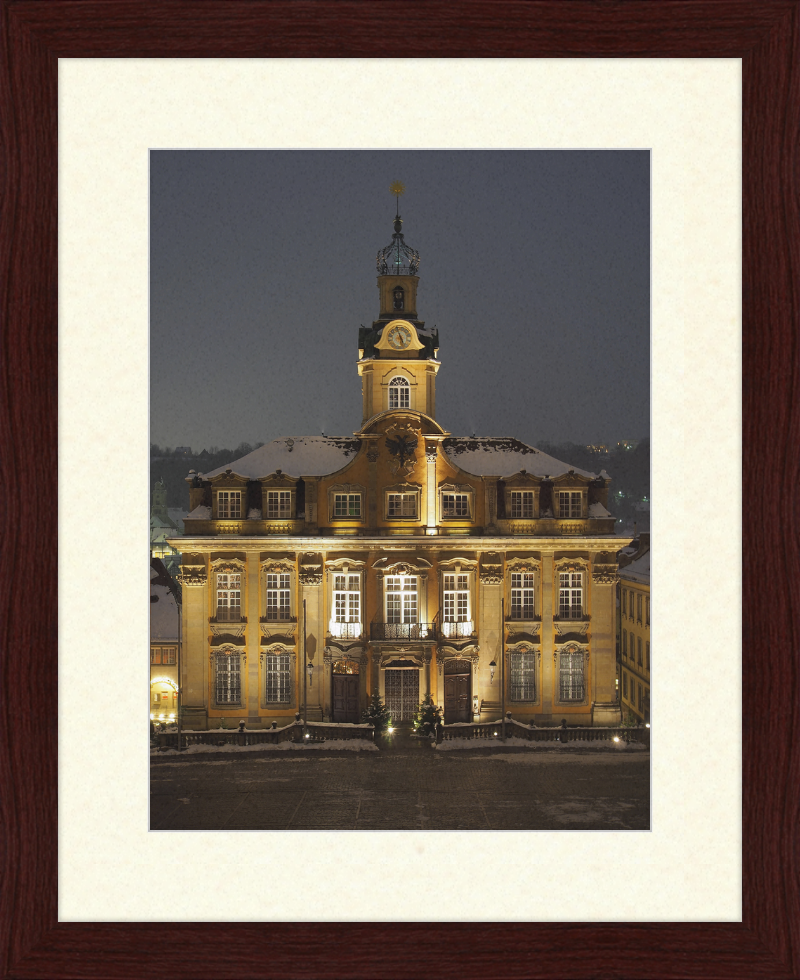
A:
x: 534, y: 267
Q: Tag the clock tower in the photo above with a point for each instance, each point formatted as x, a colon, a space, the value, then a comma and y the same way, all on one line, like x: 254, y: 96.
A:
x: 397, y: 354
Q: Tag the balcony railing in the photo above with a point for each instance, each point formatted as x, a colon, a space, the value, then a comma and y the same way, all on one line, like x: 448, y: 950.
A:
x: 345, y: 631
x: 228, y: 614
x: 402, y: 631
x: 464, y: 628
x: 573, y: 615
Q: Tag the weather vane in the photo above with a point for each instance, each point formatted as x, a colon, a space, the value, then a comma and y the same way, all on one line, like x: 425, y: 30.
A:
x: 397, y: 188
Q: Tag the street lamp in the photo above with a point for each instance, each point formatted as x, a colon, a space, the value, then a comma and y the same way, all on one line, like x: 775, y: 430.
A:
x: 310, y: 669
x: 492, y: 666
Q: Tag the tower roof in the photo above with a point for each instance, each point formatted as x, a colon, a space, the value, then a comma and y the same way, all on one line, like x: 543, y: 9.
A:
x: 397, y: 258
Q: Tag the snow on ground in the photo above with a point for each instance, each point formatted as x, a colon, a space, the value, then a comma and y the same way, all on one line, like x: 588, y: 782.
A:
x: 344, y: 745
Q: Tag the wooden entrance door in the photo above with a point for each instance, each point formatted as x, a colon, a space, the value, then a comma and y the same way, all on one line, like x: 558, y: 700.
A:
x: 402, y: 693
x: 457, y: 692
x: 345, y: 692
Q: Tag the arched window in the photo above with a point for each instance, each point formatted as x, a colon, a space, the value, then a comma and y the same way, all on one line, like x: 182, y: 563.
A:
x: 399, y: 393
x: 399, y: 298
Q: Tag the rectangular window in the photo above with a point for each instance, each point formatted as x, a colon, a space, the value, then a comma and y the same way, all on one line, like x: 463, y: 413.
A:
x: 228, y: 679
x: 278, y: 596
x: 523, y: 676
x: 229, y: 503
x: 522, y: 595
x: 402, y: 505
x: 456, y: 605
x: 569, y: 503
x: 347, y: 505
x: 229, y: 597
x: 641, y: 697
x: 346, y: 599
x: 571, y: 675
x: 156, y: 697
x: 155, y: 655
x: 647, y: 655
x: 638, y: 609
x: 278, y: 678
x: 399, y: 393
x: 455, y: 505
x: 168, y: 655
x: 401, y: 599
x: 624, y: 602
x: 521, y: 503
x: 624, y: 645
x: 639, y: 649
x: 625, y: 685
x: 279, y: 504
x: 647, y: 611
x: 570, y: 595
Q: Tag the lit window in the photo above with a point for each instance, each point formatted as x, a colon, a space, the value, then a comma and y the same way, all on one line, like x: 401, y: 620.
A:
x: 399, y: 393
x: 570, y: 595
x: 278, y: 678
x: 523, y: 675
x: 346, y: 603
x: 155, y: 655
x: 229, y: 503
x: 569, y: 503
x: 229, y: 597
x: 455, y: 505
x: 228, y: 678
x: 347, y: 505
x: 522, y: 595
x: 278, y: 604
x: 168, y: 655
x: 571, y: 675
x: 521, y: 503
x: 401, y: 505
x: 279, y: 504
x: 401, y: 599
x: 456, y: 621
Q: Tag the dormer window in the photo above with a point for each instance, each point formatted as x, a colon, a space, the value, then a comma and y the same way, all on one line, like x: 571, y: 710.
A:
x: 570, y: 503
x: 229, y: 503
x: 399, y: 393
x: 279, y: 504
x: 398, y: 298
x: 521, y: 502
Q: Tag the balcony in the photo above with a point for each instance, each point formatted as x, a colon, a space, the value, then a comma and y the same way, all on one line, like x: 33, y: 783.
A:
x: 228, y: 614
x: 402, y: 631
x: 345, y: 631
x: 454, y: 630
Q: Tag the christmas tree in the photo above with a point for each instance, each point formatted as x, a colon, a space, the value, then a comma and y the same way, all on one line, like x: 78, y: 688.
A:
x: 377, y: 714
x: 428, y: 716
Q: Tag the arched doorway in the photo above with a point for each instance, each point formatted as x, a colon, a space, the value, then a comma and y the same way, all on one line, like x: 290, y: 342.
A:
x: 163, y: 700
x: 344, y: 699
x: 457, y: 691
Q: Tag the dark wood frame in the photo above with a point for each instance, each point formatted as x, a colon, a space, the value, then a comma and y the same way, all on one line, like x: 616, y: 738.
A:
x: 766, y: 36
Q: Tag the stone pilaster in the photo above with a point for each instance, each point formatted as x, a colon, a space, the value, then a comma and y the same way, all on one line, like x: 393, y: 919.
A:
x: 194, y: 653
x: 252, y: 584
x: 549, y: 598
x: 430, y: 477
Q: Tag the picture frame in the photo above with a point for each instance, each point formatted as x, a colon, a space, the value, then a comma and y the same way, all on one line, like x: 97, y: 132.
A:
x: 35, y: 34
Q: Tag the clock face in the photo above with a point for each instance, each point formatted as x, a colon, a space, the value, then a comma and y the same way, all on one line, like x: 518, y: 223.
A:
x: 399, y: 337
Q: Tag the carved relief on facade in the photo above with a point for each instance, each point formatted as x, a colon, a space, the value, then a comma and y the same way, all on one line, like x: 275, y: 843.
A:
x: 431, y: 452
x: 401, y: 442
x: 570, y: 564
x: 284, y: 629
x: 386, y: 566
x: 343, y: 566
x: 523, y: 564
x: 568, y: 626
x: 192, y: 575
x: 233, y: 566
x: 605, y: 574
x: 229, y: 650
x: 310, y: 569
x: 491, y: 569
x: 227, y: 629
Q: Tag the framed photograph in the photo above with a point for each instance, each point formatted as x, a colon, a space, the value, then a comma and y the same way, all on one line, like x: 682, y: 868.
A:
x: 298, y: 933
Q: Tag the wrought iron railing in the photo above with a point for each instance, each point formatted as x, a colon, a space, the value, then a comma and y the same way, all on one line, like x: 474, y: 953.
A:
x: 516, y: 729
x: 228, y: 614
x: 293, y: 732
x: 402, y: 631
x: 464, y: 628
x: 345, y: 631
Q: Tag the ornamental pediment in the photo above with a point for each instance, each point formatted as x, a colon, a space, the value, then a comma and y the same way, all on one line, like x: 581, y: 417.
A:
x: 227, y: 479
x: 524, y: 564
x: 523, y: 479
x: 278, y: 479
x: 394, y: 566
x: 568, y: 563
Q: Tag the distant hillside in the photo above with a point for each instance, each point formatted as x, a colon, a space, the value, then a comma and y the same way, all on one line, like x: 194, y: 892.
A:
x: 173, y: 469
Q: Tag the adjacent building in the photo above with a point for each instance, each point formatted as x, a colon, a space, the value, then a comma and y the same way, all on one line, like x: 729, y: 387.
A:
x: 634, y: 629
x: 164, y: 643
x: 401, y: 560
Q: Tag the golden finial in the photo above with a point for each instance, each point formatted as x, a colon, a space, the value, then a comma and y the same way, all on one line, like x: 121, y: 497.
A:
x: 397, y: 188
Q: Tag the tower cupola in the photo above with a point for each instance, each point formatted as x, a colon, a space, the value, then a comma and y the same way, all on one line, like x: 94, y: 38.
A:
x: 397, y: 265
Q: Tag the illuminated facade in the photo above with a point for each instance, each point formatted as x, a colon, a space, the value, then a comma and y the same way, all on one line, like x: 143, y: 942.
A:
x: 634, y: 623
x: 420, y: 557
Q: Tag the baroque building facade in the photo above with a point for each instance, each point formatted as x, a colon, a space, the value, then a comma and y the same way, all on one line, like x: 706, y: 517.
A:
x: 400, y: 560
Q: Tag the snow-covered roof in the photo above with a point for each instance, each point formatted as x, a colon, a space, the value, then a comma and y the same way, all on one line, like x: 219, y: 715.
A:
x: 504, y: 456
x: 296, y: 456
x: 598, y: 510
x: 163, y: 612
x: 638, y: 570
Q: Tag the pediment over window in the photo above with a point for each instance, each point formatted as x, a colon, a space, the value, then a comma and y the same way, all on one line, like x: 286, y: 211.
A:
x: 523, y: 564
x: 571, y: 479
x: 231, y: 565
x: 278, y: 479
x: 450, y: 564
x: 404, y: 488
x: 344, y: 565
x: 393, y: 566
x: 228, y: 479
x: 450, y: 487
x: 347, y: 488
x: 523, y: 480
x: 570, y: 564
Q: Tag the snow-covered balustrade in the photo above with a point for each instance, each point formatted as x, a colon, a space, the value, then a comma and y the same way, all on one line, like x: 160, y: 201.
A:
x: 517, y: 729
x: 268, y: 736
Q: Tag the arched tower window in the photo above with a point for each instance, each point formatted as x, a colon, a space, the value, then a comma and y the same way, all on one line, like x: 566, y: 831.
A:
x: 399, y: 393
x: 399, y: 298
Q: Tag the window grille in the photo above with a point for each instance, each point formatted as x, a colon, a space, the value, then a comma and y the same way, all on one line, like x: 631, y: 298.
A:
x: 229, y: 503
x: 401, y: 599
x: 279, y: 504
x: 523, y: 675
x: 521, y: 503
x: 346, y: 599
x: 522, y: 595
x: 278, y: 596
x: 402, y: 505
x: 347, y: 505
x: 570, y: 595
x: 455, y: 505
x: 278, y: 678
x: 229, y: 597
x: 399, y: 393
x: 569, y: 503
x: 228, y: 678
x: 571, y: 675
